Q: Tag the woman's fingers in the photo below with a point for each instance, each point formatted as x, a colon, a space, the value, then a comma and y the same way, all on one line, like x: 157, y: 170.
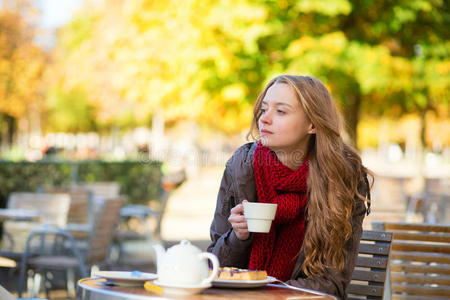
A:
x: 237, y: 210
x: 238, y: 222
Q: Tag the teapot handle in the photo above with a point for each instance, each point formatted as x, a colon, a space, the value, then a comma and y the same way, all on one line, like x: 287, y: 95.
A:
x: 215, y: 264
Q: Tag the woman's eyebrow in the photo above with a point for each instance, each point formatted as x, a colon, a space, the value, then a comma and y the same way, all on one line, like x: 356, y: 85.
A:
x: 278, y: 103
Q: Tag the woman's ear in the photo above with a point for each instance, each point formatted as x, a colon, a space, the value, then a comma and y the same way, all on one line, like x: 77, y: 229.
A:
x: 312, y: 129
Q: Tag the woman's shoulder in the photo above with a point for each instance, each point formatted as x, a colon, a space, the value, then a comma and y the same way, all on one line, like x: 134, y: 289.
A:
x: 244, y: 155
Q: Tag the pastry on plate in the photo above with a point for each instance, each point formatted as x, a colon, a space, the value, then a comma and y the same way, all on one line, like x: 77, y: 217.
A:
x: 231, y: 273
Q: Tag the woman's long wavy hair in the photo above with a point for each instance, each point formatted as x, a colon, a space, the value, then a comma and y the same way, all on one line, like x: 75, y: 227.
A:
x: 335, y: 170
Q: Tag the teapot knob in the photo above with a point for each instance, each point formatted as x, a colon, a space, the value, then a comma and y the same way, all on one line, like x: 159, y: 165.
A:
x: 185, y: 242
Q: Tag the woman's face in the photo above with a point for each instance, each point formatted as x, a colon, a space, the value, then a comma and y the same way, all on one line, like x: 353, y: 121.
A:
x: 283, y: 125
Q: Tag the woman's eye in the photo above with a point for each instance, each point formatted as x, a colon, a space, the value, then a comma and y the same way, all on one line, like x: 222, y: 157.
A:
x: 262, y: 110
x: 281, y: 112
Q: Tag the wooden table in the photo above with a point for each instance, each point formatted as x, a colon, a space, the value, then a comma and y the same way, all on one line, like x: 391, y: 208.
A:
x: 16, y: 214
x: 7, y: 263
x: 95, y: 289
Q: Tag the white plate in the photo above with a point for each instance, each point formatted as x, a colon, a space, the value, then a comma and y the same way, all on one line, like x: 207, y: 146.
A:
x: 126, y: 278
x: 242, y: 283
x: 181, y: 289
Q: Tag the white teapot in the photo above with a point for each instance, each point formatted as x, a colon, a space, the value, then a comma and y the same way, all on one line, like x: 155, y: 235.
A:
x: 184, y: 265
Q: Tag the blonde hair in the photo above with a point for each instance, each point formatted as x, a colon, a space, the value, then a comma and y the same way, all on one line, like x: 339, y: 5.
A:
x: 335, y: 171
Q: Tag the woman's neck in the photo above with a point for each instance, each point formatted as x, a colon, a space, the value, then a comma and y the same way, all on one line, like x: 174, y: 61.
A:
x: 292, y: 159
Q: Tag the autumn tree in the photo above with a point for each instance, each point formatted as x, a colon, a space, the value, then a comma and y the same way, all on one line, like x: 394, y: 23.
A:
x: 208, y: 60
x: 21, y: 66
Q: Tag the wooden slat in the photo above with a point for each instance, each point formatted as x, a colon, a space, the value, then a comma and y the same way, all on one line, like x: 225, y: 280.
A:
x: 359, y: 289
x: 420, y: 279
x: 363, y: 275
x: 379, y: 236
x: 439, y: 269
x: 417, y: 227
x: 378, y: 249
x: 418, y: 289
x: 420, y: 247
x: 420, y: 257
x: 365, y: 283
x: 370, y: 262
x: 439, y: 237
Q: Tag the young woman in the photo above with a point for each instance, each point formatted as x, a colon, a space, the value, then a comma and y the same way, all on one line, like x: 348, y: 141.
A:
x: 301, y: 163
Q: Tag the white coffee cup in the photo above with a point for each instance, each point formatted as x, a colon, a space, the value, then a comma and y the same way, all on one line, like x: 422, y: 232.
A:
x: 259, y: 216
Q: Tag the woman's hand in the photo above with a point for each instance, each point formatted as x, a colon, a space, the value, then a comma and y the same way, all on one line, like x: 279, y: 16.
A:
x: 238, y: 222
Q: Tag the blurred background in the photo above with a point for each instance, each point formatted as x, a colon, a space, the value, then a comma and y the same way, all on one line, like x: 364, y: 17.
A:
x: 171, y: 85
x: 175, y: 81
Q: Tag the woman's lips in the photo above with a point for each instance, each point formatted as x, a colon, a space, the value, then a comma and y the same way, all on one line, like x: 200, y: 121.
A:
x: 264, y: 131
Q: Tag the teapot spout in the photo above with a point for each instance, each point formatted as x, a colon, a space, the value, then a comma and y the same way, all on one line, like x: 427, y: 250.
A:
x: 160, y: 252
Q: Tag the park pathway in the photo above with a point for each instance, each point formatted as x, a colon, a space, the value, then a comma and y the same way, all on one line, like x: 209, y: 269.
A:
x: 190, y: 209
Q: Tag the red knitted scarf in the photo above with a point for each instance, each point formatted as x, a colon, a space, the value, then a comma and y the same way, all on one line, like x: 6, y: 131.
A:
x: 277, y: 250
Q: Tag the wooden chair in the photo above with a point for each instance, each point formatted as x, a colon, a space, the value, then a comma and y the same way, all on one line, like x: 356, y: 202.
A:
x: 420, y: 260
x: 50, y: 250
x: 99, y: 243
x: 80, y: 220
x: 369, y: 277
x: 92, y: 252
x: 79, y: 202
x: 106, y: 189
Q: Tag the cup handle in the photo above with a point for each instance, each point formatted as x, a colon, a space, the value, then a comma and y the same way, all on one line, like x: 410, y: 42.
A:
x: 215, y: 263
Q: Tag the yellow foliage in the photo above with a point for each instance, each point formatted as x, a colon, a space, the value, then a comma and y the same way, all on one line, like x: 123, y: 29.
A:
x: 21, y: 64
x: 334, y: 42
x: 300, y: 45
x: 443, y: 68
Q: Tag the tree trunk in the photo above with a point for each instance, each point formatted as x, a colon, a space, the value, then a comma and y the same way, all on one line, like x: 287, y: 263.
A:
x: 351, y: 115
x: 423, y: 129
x: 8, y: 129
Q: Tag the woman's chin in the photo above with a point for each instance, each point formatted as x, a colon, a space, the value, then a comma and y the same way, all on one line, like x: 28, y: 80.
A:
x: 264, y: 141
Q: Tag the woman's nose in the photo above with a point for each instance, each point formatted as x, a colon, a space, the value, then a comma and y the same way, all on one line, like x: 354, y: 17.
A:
x: 265, y: 118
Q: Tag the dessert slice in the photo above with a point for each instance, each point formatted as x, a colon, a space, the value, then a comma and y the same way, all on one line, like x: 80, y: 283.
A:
x: 231, y: 273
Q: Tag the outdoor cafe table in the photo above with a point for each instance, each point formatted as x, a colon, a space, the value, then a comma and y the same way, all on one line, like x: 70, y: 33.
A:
x: 95, y: 289
x: 16, y: 214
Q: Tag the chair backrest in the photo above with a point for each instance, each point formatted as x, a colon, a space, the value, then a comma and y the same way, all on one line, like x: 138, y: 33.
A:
x: 79, y: 202
x: 369, y: 276
x: 53, y: 209
x: 106, y: 220
x: 107, y: 189
x: 420, y: 260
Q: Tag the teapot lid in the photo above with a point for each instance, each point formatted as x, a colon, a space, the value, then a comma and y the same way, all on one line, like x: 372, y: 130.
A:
x: 184, y: 248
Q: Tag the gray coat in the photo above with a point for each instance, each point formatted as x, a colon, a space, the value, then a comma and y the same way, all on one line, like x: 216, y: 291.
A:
x: 238, y: 184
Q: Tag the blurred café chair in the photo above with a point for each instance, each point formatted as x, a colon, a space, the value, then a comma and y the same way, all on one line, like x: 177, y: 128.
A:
x: 92, y: 253
x: 79, y: 218
x: 105, y: 189
x: 50, y: 249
